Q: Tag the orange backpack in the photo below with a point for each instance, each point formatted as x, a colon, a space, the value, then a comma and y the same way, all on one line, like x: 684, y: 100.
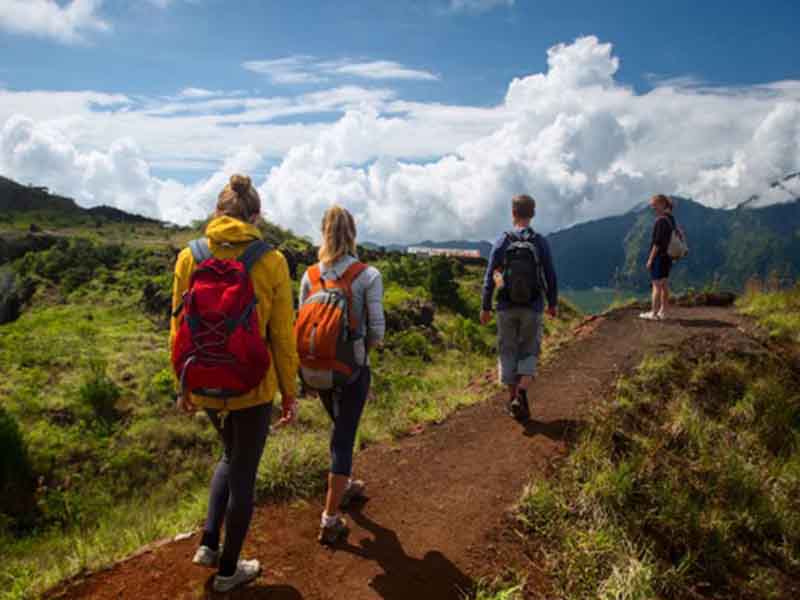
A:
x: 330, y: 349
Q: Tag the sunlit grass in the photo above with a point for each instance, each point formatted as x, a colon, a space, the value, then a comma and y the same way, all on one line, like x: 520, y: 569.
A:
x: 682, y: 483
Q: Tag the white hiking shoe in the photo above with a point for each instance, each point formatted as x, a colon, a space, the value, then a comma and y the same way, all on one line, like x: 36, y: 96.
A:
x: 649, y: 316
x: 246, y: 571
x: 206, y: 557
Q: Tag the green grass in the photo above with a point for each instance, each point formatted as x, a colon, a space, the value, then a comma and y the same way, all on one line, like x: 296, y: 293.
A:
x: 503, y: 588
x: 108, y: 463
x: 686, y: 483
x: 84, y: 375
x: 778, y: 312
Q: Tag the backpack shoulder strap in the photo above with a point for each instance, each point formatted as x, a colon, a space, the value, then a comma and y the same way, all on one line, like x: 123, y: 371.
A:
x: 200, y: 250
x: 346, y: 280
x: 314, y: 274
x: 253, y: 253
x: 352, y: 272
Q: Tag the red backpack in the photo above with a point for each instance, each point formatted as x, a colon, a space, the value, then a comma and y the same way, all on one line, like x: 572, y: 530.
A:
x: 218, y: 350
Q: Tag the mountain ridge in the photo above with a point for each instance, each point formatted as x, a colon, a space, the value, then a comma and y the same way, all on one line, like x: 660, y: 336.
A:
x: 727, y: 246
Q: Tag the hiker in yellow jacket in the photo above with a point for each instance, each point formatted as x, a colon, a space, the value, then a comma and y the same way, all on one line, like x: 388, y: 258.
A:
x: 242, y: 421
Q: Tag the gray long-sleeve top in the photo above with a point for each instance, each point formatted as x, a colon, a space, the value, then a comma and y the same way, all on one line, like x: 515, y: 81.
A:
x: 367, y: 297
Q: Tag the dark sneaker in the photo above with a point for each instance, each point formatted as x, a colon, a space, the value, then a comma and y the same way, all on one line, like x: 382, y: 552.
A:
x: 519, y: 409
x: 353, y: 493
x: 331, y: 534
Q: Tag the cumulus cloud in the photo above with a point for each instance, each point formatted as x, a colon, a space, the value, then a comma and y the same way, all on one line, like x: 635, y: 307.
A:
x: 117, y: 176
x: 303, y: 69
x: 583, y: 144
x: 67, y: 24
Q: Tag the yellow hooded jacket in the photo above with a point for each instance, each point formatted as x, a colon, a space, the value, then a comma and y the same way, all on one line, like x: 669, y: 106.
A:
x: 228, y: 238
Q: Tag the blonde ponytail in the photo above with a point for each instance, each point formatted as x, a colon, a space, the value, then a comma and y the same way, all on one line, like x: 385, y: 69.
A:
x: 338, y: 235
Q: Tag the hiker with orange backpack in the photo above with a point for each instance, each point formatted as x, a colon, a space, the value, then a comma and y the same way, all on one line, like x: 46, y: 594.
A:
x: 232, y: 350
x: 340, y: 319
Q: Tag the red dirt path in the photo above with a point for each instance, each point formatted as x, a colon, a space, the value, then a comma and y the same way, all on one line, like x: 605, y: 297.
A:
x: 437, y: 500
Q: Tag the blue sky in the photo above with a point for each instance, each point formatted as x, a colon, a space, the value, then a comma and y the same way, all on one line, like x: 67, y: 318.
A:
x: 204, y: 42
x: 149, y: 104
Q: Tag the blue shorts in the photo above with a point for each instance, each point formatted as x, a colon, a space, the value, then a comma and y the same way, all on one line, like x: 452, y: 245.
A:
x: 662, y: 265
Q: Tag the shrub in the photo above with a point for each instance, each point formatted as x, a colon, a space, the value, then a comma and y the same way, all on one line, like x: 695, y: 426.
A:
x: 442, y: 283
x: 98, y: 391
x: 411, y: 343
x: 466, y: 335
x: 16, y: 477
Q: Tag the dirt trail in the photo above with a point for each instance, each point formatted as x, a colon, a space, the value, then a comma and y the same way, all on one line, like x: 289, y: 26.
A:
x: 437, y: 500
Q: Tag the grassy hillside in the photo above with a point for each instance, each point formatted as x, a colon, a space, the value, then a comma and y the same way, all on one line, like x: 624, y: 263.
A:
x: 727, y: 246
x: 94, y: 459
x: 685, y: 485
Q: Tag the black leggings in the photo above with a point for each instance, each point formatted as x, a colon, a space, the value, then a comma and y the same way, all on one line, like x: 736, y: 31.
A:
x: 345, y: 410
x: 244, y: 433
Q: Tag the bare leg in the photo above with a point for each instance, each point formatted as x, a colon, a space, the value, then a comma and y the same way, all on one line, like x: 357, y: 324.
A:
x: 512, y: 390
x: 336, y: 487
x: 656, y: 298
x: 525, y: 382
x: 664, y: 296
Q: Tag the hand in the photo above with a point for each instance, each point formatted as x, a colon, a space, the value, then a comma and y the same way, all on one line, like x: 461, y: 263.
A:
x: 185, y: 404
x: 288, y: 411
x: 552, y: 311
x: 486, y: 316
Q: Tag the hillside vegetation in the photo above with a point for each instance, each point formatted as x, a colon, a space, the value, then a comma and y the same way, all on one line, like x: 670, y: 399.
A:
x: 95, y: 461
x: 726, y: 246
x: 686, y: 484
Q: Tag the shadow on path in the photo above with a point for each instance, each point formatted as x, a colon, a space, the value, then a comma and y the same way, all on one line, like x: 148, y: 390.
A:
x: 405, y: 577
x: 565, y: 430
x: 703, y: 323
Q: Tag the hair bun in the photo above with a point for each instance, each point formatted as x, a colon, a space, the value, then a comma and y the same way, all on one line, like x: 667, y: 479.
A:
x: 240, y: 184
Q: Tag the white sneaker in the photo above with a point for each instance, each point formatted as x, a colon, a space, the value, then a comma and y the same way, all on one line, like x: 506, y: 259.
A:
x: 648, y: 316
x: 246, y: 571
x: 661, y: 316
x: 206, y: 557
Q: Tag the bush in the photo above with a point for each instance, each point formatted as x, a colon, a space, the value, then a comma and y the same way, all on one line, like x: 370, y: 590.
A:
x: 411, y: 343
x: 98, y: 391
x: 16, y: 477
x: 442, y: 283
x: 466, y: 335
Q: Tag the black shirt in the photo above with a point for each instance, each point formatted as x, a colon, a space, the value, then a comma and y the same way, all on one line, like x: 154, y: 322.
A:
x: 662, y: 232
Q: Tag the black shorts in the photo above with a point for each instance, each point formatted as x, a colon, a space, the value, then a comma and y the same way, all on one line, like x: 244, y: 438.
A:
x: 662, y: 265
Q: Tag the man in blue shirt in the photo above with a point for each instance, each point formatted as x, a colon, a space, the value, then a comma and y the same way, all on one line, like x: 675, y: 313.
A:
x: 520, y: 313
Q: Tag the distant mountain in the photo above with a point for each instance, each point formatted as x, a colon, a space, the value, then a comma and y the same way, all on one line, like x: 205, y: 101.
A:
x: 39, y: 202
x: 725, y: 245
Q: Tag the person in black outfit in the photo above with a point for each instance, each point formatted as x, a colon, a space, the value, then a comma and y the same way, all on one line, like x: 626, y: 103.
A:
x: 659, y: 262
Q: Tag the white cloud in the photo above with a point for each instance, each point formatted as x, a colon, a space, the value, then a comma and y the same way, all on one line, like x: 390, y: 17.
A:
x: 66, y: 23
x: 289, y: 70
x: 478, y: 6
x: 383, y: 69
x: 192, y: 92
x: 303, y: 69
x: 583, y: 144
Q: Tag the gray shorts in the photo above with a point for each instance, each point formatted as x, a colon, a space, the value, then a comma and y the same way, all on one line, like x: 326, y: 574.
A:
x: 519, y: 341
